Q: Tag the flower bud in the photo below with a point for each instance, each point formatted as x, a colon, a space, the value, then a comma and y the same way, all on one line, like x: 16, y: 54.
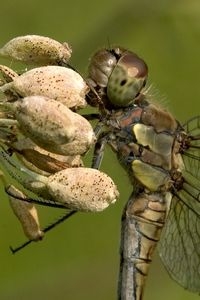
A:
x: 41, y: 161
x: 52, y: 126
x: 26, y: 214
x: 83, y: 189
x: 7, y: 74
x: 36, y: 49
x: 59, y: 83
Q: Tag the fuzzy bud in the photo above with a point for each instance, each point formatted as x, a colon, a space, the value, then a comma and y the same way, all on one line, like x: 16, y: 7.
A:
x: 52, y: 126
x: 59, y: 83
x: 36, y: 49
x: 26, y: 214
x: 83, y: 189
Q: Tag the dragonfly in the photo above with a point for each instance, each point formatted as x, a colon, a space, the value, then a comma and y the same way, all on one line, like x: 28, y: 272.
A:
x: 162, y: 160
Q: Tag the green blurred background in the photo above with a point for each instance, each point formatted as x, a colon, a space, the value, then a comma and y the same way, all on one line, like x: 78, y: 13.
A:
x: 79, y: 259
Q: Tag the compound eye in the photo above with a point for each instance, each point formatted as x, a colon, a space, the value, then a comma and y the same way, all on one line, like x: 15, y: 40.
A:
x: 101, y: 66
x: 127, y: 79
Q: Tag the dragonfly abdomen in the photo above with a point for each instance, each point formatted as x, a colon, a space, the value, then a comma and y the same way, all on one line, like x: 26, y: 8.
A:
x: 142, y: 224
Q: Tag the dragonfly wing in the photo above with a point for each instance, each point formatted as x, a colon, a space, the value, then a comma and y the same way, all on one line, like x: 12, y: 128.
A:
x: 179, y: 246
x: 191, y: 156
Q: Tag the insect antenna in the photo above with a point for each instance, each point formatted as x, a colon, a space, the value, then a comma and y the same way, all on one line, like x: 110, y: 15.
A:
x: 109, y: 47
x: 46, y: 229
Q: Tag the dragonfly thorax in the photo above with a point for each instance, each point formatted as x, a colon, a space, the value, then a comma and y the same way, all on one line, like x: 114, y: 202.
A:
x: 145, y: 139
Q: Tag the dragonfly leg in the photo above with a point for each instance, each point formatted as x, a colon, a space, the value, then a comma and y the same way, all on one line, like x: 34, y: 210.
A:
x: 99, y: 152
x: 142, y: 223
x: 92, y: 116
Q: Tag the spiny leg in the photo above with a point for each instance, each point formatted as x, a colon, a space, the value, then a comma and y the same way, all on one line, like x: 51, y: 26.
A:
x: 38, y: 201
x: 46, y: 229
x: 99, y: 151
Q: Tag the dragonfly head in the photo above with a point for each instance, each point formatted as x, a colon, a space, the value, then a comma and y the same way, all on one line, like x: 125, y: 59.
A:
x: 117, y: 74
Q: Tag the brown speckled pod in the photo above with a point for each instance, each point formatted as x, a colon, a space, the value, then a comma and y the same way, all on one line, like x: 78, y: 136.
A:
x: 26, y: 214
x: 52, y: 126
x: 7, y: 74
x: 36, y: 49
x: 41, y: 161
x: 83, y: 189
x: 59, y: 83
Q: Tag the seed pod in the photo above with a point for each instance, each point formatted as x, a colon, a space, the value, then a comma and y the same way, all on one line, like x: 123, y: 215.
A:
x: 59, y: 83
x: 7, y: 74
x: 52, y: 126
x: 36, y: 49
x: 26, y: 143
x: 26, y: 214
x: 40, y: 161
x: 83, y: 189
